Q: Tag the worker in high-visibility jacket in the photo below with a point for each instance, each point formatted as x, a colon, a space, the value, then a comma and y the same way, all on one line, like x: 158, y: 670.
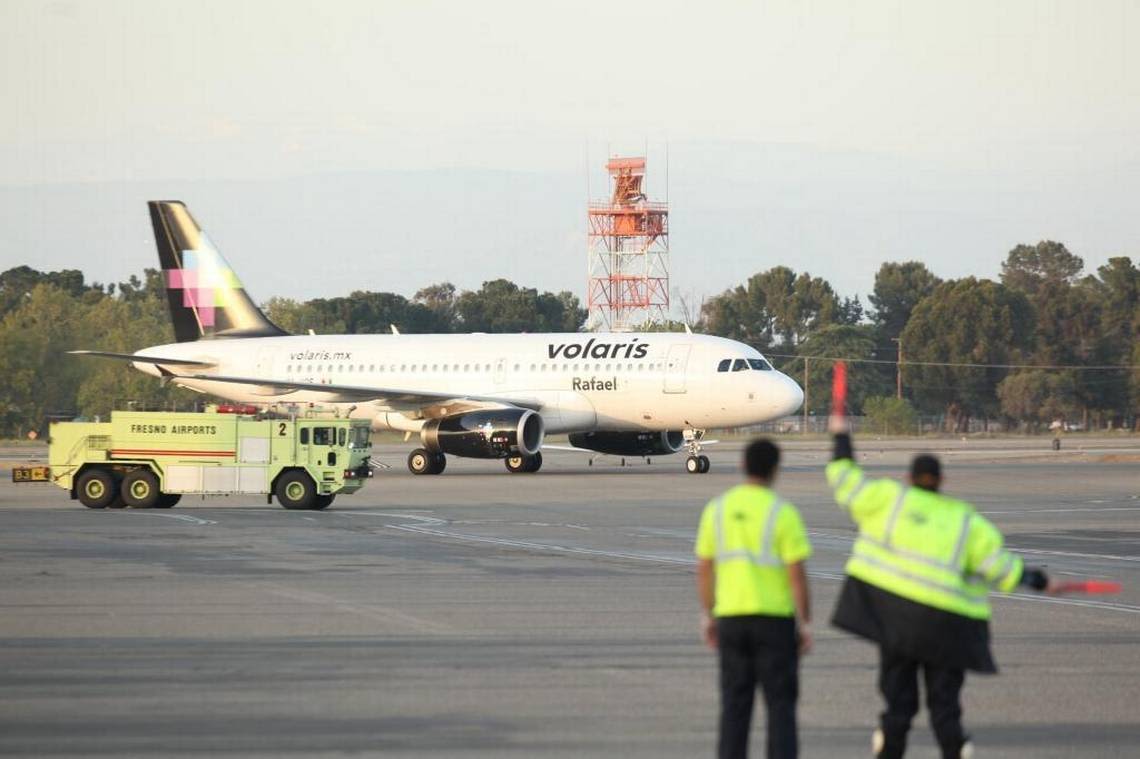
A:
x: 751, y: 548
x: 917, y: 585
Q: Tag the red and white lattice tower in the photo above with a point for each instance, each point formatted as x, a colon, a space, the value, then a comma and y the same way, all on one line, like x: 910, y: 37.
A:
x: 628, y: 253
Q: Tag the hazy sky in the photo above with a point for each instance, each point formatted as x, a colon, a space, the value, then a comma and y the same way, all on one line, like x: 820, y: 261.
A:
x: 405, y: 143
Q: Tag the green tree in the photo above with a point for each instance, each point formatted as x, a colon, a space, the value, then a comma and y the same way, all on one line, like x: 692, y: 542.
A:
x: 39, y: 378
x: 1029, y: 267
x: 1036, y: 396
x: 966, y: 321
x: 889, y: 415
x: 898, y: 289
x: 778, y: 303
x: 502, y: 306
x: 838, y: 341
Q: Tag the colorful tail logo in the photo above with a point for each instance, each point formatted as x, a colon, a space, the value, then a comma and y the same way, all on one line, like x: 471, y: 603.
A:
x: 206, y: 297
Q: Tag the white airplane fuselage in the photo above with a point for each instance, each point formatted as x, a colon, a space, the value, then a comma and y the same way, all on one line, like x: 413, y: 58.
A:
x: 576, y: 381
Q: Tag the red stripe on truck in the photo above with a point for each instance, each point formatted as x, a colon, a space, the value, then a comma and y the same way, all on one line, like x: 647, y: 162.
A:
x: 152, y: 452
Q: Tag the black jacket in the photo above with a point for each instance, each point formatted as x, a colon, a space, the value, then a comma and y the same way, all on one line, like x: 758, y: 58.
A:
x: 913, y: 630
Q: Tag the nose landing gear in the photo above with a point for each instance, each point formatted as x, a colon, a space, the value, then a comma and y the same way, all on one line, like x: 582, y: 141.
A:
x: 697, y: 462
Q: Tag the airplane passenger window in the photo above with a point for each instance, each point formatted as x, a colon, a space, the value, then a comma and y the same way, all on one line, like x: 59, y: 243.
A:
x: 488, y: 367
x: 310, y: 368
x: 467, y: 367
x: 739, y: 365
x: 350, y: 367
x: 607, y: 367
x: 516, y: 367
x: 724, y: 365
x: 455, y: 367
x: 435, y: 367
x: 759, y: 364
x: 403, y: 367
x: 532, y: 367
x: 288, y: 369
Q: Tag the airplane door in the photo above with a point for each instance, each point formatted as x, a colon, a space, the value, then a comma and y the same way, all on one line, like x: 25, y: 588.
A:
x: 500, y: 371
x: 675, y: 364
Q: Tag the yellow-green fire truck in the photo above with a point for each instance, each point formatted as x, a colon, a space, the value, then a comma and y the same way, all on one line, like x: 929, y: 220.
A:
x: 146, y: 459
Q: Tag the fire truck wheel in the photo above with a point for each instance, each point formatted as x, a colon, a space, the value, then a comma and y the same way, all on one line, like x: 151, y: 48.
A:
x: 97, y: 488
x: 295, y: 490
x: 140, y: 489
x: 168, y: 500
x: 322, y: 502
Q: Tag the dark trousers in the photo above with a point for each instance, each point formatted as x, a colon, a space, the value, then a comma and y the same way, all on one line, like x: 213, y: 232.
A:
x: 757, y: 651
x: 898, y: 682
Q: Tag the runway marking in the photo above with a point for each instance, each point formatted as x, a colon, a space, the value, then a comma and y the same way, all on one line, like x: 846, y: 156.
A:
x: 181, y: 518
x: 378, y: 613
x: 1107, y: 605
x: 1071, y: 510
x: 1075, y: 555
x: 689, y: 562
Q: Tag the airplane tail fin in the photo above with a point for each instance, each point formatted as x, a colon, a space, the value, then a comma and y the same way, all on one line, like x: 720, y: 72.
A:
x: 206, y: 298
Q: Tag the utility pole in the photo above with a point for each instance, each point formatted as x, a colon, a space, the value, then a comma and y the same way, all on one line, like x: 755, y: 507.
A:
x: 805, y: 394
x: 898, y: 368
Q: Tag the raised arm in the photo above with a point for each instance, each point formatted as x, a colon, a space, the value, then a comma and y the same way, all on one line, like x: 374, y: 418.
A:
x: 856, y: 493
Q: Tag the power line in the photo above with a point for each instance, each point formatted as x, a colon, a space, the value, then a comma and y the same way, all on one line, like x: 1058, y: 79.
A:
x: 1106, y: 367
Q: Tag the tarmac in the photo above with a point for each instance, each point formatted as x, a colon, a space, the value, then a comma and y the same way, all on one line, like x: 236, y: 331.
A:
x: 483, y: 614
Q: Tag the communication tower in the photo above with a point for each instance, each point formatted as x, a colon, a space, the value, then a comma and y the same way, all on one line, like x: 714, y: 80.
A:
x: 628, y: 253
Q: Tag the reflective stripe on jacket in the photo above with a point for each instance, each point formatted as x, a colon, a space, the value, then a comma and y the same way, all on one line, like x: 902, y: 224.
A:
x: 921, y: 545
x: 751, y: 534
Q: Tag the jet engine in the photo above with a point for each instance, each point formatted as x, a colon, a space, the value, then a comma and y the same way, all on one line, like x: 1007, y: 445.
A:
x: 486, y: 433
x: 629, y: 443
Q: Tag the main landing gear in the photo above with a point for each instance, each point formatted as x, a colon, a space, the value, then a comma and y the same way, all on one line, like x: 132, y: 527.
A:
x: 697, y: 463
x: 423, y: 461
x: 524, y: 464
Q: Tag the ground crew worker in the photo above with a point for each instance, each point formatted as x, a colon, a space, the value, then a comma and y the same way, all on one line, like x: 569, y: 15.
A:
x: 751, y: 547
x: 917, y: 585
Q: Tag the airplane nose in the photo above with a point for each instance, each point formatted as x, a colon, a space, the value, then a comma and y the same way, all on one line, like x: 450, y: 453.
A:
x: 789, y: 396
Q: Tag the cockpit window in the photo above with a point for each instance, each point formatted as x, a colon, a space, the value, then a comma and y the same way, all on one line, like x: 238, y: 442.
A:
x: 724, y: 365
x: 760, y: 365
x: 739, y: 365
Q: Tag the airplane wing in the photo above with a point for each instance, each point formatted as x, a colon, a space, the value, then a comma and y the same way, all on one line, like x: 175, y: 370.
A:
x: 395, y: 398
x: 156, y: 360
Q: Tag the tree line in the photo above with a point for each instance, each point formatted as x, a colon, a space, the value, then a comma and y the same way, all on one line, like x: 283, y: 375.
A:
x: 967, y: 344
x: 1032, y: 348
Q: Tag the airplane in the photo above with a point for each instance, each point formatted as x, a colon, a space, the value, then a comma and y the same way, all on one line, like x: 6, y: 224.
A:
x: 485, y: 396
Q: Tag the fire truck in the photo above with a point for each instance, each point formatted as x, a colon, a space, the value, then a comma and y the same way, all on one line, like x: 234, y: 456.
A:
x: 150, y: 459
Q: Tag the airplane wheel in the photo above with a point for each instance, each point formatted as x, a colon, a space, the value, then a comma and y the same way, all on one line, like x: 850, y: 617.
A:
x: 705, y: 464
x: 440, y: 464
x: 516, y: 464
x: 421, y: 461
x: 693, y: 465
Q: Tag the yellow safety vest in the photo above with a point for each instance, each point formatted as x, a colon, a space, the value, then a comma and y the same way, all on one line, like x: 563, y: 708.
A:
x: 752, y: 534
x: 924, y: 546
